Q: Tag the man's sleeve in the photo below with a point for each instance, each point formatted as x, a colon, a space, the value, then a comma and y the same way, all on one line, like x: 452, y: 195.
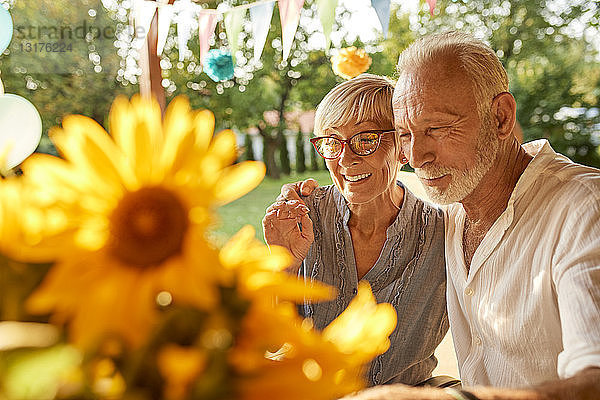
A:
x: 576, y: 276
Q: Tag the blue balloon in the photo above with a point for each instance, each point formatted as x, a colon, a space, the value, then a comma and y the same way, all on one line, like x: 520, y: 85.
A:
x: 6, y: 29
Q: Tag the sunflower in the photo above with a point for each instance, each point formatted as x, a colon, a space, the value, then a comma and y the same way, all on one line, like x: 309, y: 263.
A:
x: 304, y: 363
x: 129, y: 214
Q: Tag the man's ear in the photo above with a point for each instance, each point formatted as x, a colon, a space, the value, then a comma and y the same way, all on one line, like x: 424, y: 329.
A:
x: 504, y: 109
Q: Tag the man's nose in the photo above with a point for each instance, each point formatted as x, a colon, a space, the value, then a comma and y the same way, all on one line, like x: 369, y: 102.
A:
x: 421, y: 152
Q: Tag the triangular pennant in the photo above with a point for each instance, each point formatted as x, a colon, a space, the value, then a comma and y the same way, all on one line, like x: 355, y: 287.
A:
x: 289, y: 13
x: 143, y: 12
x: 185, y: 18
x: 260, y: 18
x: 382, y: 8
x: 165, y: 16
x: 326, y: 10
x: 431, y: 5
x: 233, y: 26
x: 207, y: 22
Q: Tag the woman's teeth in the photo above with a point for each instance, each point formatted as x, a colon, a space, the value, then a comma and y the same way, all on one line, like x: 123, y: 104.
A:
x: 356, y: 178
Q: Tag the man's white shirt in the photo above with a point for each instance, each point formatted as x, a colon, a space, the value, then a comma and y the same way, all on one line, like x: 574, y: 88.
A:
x: 528, y: 310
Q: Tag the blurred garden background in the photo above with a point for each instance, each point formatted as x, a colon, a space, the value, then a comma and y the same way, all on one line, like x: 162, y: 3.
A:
x: 550, y: 48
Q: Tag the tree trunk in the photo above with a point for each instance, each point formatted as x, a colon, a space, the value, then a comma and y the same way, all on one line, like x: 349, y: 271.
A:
x: 269, y: 147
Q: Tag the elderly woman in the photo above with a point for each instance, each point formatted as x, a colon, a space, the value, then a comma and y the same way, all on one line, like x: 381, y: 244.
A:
x: 368, y: 226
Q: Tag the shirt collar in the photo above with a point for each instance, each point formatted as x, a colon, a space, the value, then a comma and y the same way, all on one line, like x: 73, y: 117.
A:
x: 542, y: 154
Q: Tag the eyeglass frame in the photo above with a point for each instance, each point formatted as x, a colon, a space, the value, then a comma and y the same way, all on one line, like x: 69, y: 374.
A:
x: 379, y: 133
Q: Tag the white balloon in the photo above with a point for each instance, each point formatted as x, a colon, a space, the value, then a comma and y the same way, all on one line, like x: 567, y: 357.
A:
x: 20, y: 128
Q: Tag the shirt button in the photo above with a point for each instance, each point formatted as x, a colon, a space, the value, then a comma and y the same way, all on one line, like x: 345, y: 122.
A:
x: 354, y: 291
x: 469, y: 291
x: 478, y: 341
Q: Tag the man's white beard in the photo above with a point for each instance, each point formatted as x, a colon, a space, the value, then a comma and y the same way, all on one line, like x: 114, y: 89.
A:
x: 464, y: 182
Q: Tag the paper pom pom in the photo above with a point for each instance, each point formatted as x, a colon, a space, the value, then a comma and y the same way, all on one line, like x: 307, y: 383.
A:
x: 350, y: 62
x: 218, y: 65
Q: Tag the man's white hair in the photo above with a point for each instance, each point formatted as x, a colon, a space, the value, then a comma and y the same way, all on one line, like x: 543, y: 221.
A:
x: 477, y: 59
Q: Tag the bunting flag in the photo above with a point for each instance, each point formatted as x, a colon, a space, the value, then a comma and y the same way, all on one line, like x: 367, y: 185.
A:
x: 260, y: 18
x: 233, y: 26
x: 143, y: 12
x: 207, y: 23
x: 326, y: 11
x: 289, y: 13
x: 165, y: 16
x: 431, y: 5
x: 382, y: 8
x: 185, y: 19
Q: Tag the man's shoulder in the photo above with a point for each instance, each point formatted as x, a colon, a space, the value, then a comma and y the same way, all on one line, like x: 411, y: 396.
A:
x: 566, y: 183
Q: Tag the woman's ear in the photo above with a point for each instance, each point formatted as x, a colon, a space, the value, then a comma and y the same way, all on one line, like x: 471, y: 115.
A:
x: 504, y: 109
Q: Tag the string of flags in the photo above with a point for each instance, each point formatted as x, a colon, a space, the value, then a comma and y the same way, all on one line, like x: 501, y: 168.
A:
x: 187, y: 14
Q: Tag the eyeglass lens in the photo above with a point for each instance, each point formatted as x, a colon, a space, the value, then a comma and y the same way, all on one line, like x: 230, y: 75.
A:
x: 363, y: 144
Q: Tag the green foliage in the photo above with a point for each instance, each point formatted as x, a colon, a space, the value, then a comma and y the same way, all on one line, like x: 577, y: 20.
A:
x: 300, y: 156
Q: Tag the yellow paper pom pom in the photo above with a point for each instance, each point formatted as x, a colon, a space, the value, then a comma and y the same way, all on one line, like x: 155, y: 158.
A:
x: 350, y: 62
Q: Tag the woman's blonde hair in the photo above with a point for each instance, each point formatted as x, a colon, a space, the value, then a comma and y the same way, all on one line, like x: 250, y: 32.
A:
x: 364, y: 98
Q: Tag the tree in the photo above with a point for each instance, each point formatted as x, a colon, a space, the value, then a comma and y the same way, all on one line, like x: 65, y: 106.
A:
x: 300, y: 156
x: 249, y: 154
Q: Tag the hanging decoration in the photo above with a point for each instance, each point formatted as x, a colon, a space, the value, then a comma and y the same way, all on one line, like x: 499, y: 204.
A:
x: 431, y: 4
x: 165, y: 16
x: 207, y: 22
x: 143, y: 13
x: 260, y: 18
x: 187, y: 14
x: 6, y: 29
x: 218, y: 65
x: 350, y: 62
x: 382, y: 8
x: 289, y: 14
x: 185, y: 19
x: 233, y: 27
x: 326, y: 11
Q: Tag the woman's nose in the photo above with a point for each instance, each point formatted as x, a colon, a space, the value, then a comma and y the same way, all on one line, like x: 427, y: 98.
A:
x: 347, y: 157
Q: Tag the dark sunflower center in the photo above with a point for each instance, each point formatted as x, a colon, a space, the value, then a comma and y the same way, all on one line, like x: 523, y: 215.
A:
x: 148, y: 226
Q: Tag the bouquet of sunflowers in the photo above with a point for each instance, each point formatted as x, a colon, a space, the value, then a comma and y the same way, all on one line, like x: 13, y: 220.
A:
x: 137, y: 303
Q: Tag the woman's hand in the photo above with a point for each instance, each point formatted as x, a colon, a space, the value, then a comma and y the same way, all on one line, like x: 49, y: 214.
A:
x: 287, y: 224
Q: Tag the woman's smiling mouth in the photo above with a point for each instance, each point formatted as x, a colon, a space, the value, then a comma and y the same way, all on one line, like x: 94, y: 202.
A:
x: 356, y: 178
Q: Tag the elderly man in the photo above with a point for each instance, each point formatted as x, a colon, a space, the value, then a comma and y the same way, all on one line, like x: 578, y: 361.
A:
x: 522, y: 230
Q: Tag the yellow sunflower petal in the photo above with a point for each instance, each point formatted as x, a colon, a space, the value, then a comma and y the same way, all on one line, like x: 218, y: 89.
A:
x: 238, y: 180
x: 364, y: 327
x: 122, y: 122
x: 178, y: 119
x: 97, y: 149
x: 204, y: 126
x: 223, y: 147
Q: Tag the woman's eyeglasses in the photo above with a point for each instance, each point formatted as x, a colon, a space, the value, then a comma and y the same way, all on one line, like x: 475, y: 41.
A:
x: 361, y: 144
